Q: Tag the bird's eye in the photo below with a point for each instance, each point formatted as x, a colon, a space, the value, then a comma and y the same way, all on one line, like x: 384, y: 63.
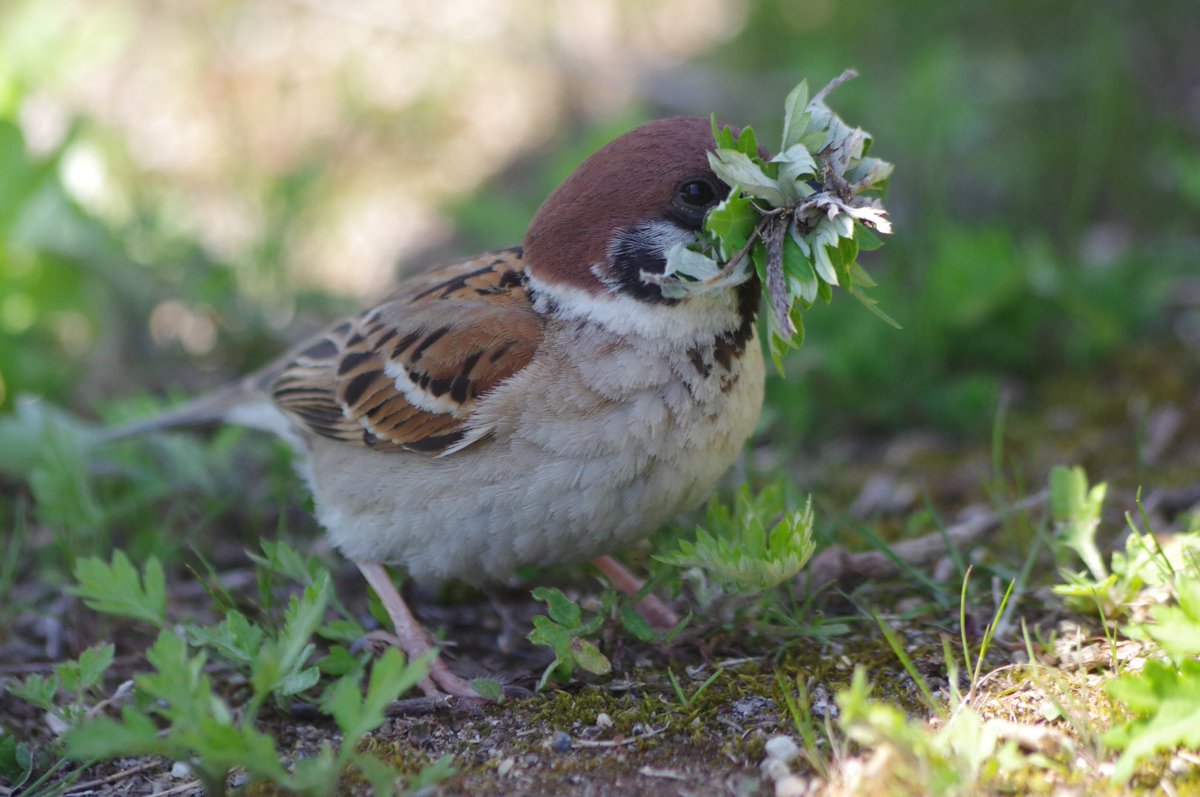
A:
x: 696, y: 193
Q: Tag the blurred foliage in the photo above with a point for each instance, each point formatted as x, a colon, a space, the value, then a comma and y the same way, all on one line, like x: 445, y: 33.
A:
x: 1045, y: 195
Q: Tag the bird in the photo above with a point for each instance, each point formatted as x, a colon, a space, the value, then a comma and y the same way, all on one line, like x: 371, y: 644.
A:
x: 536, y: 405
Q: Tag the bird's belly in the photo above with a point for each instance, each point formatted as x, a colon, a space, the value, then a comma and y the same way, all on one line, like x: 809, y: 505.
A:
x: 589, y: 480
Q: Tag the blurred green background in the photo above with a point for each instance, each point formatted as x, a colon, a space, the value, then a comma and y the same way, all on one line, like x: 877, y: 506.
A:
x: 186, y: 187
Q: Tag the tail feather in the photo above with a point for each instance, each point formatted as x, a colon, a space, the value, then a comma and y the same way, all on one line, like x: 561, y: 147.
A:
x: 220, y: 406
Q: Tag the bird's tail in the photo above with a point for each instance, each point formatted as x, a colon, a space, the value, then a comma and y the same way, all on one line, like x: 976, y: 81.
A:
x: 222, y: 405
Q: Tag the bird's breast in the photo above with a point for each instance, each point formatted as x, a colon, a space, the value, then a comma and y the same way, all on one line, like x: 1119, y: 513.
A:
x: 601, y: 439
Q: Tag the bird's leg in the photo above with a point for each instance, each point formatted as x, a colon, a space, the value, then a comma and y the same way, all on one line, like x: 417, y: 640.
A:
x: 413, y: 639
x: 653, y: 610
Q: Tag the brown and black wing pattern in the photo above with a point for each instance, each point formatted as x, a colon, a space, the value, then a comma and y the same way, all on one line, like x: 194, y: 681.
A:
x: 406, y: 374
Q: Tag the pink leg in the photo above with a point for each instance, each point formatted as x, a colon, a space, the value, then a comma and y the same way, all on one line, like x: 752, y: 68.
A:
x: 655, y: 612
x: 413, y: 639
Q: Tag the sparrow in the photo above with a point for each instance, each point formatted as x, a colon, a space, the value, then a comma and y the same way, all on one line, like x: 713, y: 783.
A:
x: 541, y: 404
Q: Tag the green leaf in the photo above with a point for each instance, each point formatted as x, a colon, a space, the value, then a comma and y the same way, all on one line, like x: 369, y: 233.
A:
x: 747, y: 144
x: 104, y: 737
x: 794, y: 121
x: 37, y: 689
x: 799, y: 270
x: 868, y: 241
x: 298, y: 681
x: 722, y: 136
x: 562, y: 609
x: 279, y: 557
x: 278, y: 666
x: 382, y: 777
x: 823, y: 241
x: 1076, y: 510
x: 178, y: 682
x: 430, y: 775
x: 552, y: 635
x: 16, y: 762
x: 319, y: 774
x: 588, y: 656
x: 220, y: 745
x: 234, y: 639
x: 339, y: 662
x: 873, y: 305
x: 60, y: 483
x: 356, y: 713
x: 872, y: 171
x: 489, y: 689
x: 738, y: 169
x: 757, y: 545
x: 391, y: 677
x: 732, y: 223
x: 637, y: 626
x: 1177, y: 628
x: 93, y: 663
x: 1167, y: 702
x: 342, y: 631
x: 343, y: 702
x: 117, y: 588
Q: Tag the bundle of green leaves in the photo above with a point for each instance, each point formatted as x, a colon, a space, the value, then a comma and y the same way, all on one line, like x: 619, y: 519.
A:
x: 799, y: 219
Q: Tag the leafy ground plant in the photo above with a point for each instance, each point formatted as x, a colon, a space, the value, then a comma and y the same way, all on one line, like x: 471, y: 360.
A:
x: 800, y: 217
x: 1146, y: 561
x: 753, y: 544
x: 177, y: 713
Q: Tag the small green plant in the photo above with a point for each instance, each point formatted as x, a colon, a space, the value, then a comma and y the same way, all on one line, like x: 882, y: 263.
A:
x: 1164, y: 697
x: 566, y: 633
x: 204, y: 731
x: 1165, y: 702
x: 1145, y: 562
x: 799, y: 706
x: 18, y: 761
x: 117, y: 588
x: 682, y: 696
x: 68, y: 696
x: 178, y: 714
x: 758, y: 543
x: 959, y: 757
x: 48, y: 448
x: 1076, y: 508
x: 80, y: 679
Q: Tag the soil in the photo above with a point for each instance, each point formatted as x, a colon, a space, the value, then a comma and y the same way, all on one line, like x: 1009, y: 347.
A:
x: 1134, y: 423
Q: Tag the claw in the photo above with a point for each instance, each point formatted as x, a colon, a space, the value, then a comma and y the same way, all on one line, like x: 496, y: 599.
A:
x: 413, y: 639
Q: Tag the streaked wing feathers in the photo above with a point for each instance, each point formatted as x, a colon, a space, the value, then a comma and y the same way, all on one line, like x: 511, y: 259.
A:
x: 406, y: 374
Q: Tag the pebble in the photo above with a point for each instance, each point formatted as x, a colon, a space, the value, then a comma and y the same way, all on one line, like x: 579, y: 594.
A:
x: 782, y: 748
x: 752, y: 708
x: 603, y: 720
x: 822, y: 703
x: 560, y: 742
x: 791, y: 786
x: 180, y: 770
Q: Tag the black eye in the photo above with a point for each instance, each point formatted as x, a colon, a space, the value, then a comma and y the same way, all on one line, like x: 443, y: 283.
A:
x: 696, y: 193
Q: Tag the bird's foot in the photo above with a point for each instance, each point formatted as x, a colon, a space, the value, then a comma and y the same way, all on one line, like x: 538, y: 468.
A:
x: 651, y: 608
x: 448, y: 683
x: 658, y: 614
x: 440, y: 682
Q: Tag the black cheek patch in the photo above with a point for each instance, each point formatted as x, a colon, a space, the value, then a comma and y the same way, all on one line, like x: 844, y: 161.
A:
x: 633, y: 253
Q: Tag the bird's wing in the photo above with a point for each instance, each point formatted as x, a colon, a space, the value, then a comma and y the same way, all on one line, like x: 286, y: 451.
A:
x: 406, y: 374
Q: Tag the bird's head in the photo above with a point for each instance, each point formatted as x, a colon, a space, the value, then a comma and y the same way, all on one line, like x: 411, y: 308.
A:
x: 623, y: 209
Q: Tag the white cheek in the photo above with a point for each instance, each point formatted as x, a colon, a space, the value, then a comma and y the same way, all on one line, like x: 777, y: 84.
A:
x: 700, y: 318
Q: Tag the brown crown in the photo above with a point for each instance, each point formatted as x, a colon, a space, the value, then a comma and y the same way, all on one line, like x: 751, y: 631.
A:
x: 630, y: 180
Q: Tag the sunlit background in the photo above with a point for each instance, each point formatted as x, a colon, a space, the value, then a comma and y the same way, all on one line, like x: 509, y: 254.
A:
x: 185, y: 187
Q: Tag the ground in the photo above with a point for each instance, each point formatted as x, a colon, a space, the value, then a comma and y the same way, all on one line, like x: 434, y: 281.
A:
x: 634, y: 732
